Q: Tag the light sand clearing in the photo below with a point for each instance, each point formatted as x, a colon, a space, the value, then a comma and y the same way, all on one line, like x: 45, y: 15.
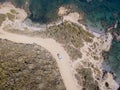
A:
x: 21, y: 14
x: 53, y: 47
x: 62, y: 11
x: 73, y: 17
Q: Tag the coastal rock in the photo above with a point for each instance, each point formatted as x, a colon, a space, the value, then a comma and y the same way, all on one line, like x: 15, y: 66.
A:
x: 62, y: 11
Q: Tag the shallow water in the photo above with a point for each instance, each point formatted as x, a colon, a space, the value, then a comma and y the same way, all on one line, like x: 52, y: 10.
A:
x: 112, y: 64
x: 18, y: 3
x: 95, y: 11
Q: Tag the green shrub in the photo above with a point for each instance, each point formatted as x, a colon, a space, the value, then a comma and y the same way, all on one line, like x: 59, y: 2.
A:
x: 10, y: 16
x: 13, y: 11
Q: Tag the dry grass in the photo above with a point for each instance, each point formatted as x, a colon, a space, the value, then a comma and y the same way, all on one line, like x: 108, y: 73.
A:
x: 27, y: 67
x: 10, y: 16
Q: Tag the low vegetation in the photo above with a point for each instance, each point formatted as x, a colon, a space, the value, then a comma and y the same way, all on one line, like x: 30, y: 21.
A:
x: 2, y: 18
x: 13, y: 11
x: 65, y: 33
x: 69, y: 33
x: 27, y: 67
x: 73, y: 52
x: 85, y: 78
x: 10, y: 16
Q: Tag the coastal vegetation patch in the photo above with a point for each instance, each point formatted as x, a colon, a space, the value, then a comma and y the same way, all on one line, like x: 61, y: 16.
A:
x: 28, y: 67
x: 85, y: 78
x: 2, y: 18
x: 10, y: 16
x: 73, y: 52
x: 69, y: 33
x: 13, y: 11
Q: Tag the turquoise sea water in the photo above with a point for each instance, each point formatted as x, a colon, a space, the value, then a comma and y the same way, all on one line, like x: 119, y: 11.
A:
x: 95, y: 11
x: 98, y: 15
x: 112, y: 64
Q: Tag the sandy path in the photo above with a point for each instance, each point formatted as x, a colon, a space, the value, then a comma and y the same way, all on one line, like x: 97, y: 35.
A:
x: 53, y: 47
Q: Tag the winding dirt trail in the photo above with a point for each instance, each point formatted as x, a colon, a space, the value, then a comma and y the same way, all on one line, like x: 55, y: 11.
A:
x: 53, y: 47
x: 65, y: 67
